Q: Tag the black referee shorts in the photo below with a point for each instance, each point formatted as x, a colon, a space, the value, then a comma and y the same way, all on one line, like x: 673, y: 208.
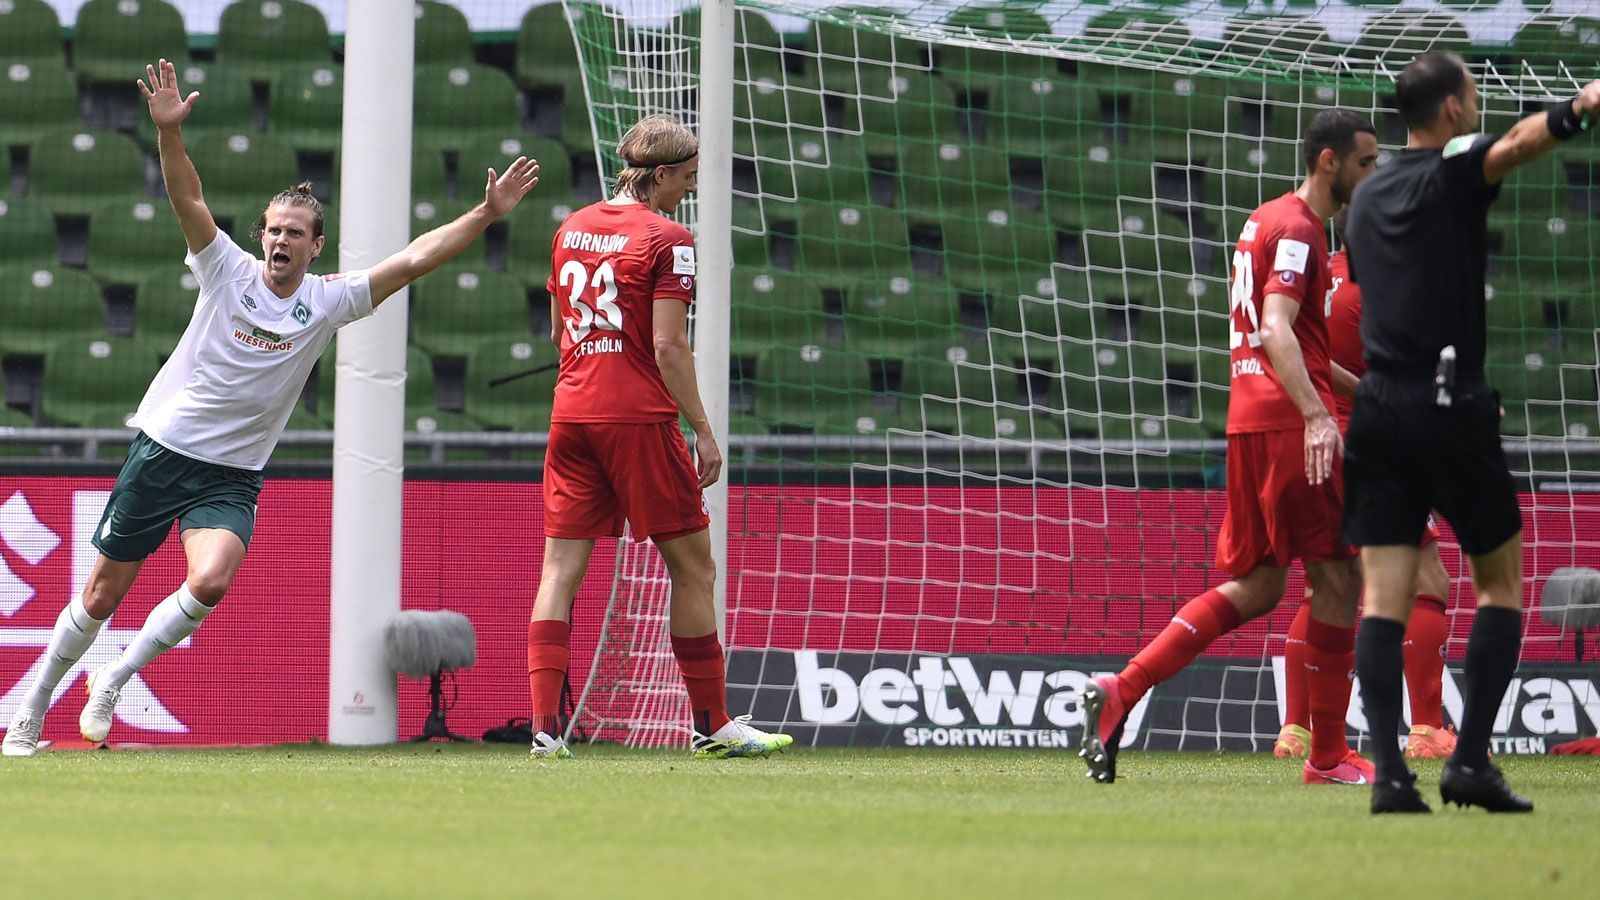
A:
x: 1404, y: 455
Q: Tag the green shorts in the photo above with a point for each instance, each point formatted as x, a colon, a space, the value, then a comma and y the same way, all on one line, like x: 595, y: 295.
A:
x: 157, y: 486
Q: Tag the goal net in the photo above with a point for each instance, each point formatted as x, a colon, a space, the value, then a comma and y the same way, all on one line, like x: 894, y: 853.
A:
x: 978, y: 356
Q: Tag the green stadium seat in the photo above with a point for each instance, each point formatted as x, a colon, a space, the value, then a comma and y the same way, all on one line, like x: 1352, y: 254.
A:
x: 773, y: 117
x: 30, y: 32
x: 1040, y: 116
x: 428, y: 213
x: 458, y: 307
x: 774, y: 309
x: 41, y: 306
x: 758, y: 47
x: 95, y: 381
x: 241, y: 173
x: 443, y: 36
x: 976, y: 68
x: 576, y: 130
x: 520, y: 405
x: 259, y: 37
x: 530, y: 232
x: 892, y: 110
x: 420, y: 400
x: 998, y: 247
x: 1269, y: 41
x: 306, y: 107
x: 163, y: 304
x: 36, y: 98
x: 13, y: 419
x: 1395, y: 38
x: 861, y: 240
x: 130, y: 239
x: 1547, y: 40
x: 546, y: 54
x: 225, y: 105
x: 833, y: 171
x: 887, y: 318
x: 1095, y: 175
x: 837, y: 48
x: 500, y: 151
x: 813, y: 389
x: 749, y: 237
x: 457, y: 105
x: 27, y: 235
x: 72, y: 171
x: 963, y: 178
x: 113, y: 40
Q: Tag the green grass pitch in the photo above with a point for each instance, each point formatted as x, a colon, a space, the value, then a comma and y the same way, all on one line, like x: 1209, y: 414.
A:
x: 484, y: 821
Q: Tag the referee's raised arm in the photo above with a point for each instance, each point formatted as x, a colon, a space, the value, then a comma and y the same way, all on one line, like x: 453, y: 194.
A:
x: 1535, y: 135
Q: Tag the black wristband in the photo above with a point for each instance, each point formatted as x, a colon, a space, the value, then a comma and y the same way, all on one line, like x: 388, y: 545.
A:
x: 1564, y: 121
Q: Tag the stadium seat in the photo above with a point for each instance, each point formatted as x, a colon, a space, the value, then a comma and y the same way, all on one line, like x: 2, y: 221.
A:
x: 758, y: 49
x: 225, y: 104
x: 456, y: 105
x: 771, y: 309
x: 750, y: 245
x: 998, y: 247
x: 443, y: 36
x: 520, y: 405
x: 837, y: 170
x: 893, y: 109
x: 36, y: 98
x: 74, y: 170
x: 888, y: 318
x: 241, y: 174
x: 1039, y: 116
x: 1094, y: 174
x: 420, y: 400
x: 1256, y: 41
x: 530, y: 232
x: 978, y: 68
x: 500, y: 151
x: 1395, y: 38
x: 27, y: 235
x: 838, y: 48
x: 258, y: 37
x: 115, y: 39
x: 41, y: 306
x: 306, y: 108
x: 95, y: 381
x: 1547, y: 40
x: 546, y: 54
x: 861, y: 240
x: 130, y: 239
x: 163, y: 305
x: 812, y: 389
x: 30, y: 32
x: 458, y: 307
x: 576, y: 131
x: 773, y: 117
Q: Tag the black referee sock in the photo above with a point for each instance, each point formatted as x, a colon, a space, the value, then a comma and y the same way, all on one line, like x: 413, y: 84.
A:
x: 1492, y: 652
x: 1380, y: 662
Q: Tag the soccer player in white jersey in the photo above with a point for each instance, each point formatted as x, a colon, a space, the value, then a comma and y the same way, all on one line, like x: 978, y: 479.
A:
x: 213, y: 414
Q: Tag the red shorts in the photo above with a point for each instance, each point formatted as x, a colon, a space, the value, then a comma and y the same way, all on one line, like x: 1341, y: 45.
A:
x: 596, y: 474
x: 1274, y: 514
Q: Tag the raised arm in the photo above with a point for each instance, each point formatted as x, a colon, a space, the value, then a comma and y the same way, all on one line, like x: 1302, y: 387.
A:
x: 168, y: 109
x: 1534, y: 136
x: 501, y: 195
x: 1323, y: 443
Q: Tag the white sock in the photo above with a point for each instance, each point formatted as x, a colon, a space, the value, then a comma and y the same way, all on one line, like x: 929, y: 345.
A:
x: 173, y: 619
x: 74, y: 633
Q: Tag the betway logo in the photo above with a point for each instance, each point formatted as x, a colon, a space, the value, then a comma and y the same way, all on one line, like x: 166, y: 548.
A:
x: 33, y: 542
x: 947, y: 691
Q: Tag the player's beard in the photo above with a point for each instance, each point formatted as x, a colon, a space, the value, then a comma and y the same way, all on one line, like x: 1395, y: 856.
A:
x: 1343, y: 189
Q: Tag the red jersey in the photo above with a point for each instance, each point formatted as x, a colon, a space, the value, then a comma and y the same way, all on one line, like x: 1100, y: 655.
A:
x: 1283, y: 249
x: 608, y: 265
x: 1344, y: 329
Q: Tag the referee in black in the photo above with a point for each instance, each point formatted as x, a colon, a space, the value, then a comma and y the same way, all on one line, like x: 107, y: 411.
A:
x: 1424, y: 432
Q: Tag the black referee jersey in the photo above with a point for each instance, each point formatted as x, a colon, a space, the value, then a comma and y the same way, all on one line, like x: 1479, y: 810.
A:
x: 1417, y: 239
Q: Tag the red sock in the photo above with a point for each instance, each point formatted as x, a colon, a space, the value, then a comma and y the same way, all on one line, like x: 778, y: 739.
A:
x: 1330, y: 657
x: 1295, y: 694
x: 1424, y: 655
x: 705, y: 675
x: 547, y: 669
x: 1200, y: 621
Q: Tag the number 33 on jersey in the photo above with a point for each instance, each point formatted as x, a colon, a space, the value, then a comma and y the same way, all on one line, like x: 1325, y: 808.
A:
x: 1283, y: 249
x: 609, y: 263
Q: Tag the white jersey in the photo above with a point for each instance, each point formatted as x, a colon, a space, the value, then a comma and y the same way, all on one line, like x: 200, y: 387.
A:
x: 229, y: 387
